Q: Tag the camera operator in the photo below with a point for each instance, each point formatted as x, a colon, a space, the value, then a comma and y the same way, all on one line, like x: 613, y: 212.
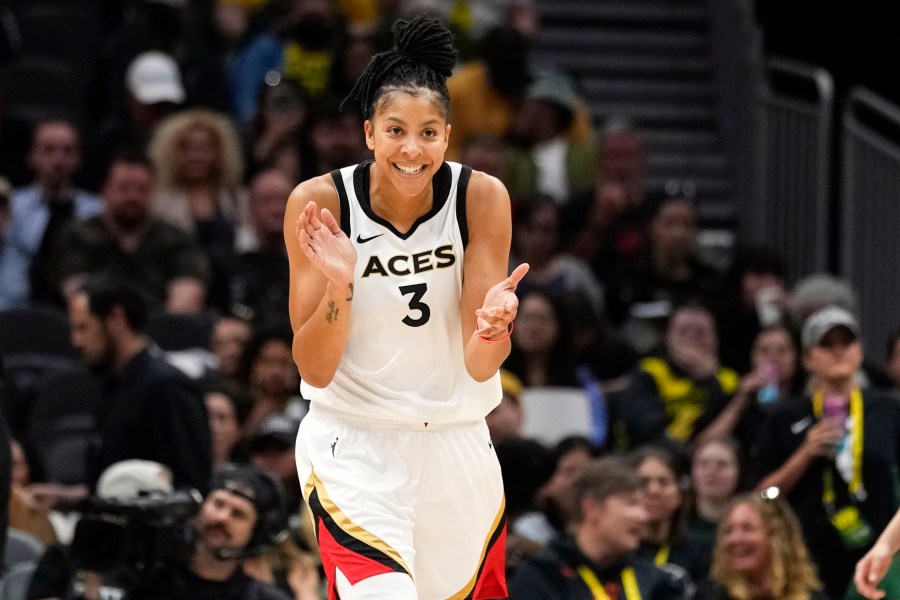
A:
x: 243, y: 515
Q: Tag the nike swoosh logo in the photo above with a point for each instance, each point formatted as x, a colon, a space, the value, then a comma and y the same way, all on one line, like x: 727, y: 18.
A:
x: 361, y: 240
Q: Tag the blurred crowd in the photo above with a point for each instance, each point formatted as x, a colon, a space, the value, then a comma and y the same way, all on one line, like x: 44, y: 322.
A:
x: 164, y: 195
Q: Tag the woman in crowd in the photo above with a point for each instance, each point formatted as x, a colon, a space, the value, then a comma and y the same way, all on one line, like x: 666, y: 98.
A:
x: 833, y: 453
x: 664, y: 541
x: 199, y: 168
x: 760, y: 554
x: 715, y: 479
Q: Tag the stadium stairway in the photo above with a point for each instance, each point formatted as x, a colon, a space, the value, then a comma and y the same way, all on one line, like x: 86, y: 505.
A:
x: 664, y: 66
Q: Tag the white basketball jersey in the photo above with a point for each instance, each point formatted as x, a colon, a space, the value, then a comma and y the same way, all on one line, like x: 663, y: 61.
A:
x: 404, y: 357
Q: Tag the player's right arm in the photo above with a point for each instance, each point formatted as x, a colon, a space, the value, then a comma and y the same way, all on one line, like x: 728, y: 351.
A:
x: 322, y: 262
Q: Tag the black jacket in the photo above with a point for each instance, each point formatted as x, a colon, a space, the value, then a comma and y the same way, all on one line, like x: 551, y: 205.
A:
x: 552, y: 575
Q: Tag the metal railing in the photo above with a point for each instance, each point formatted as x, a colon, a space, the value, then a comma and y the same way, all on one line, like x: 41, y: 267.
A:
x: 797, y: 128
x: 870, y: 210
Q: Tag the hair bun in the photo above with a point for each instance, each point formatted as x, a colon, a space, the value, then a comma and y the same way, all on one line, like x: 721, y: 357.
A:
x: 427, y: 40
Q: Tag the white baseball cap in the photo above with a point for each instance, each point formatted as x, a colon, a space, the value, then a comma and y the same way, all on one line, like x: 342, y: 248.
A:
x: 125, y: 480
x: 154, y: 77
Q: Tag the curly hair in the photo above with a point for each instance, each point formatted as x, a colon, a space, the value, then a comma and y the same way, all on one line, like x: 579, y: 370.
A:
x: 423, y: 57
x: 228, y: 171
x: 792, y: 575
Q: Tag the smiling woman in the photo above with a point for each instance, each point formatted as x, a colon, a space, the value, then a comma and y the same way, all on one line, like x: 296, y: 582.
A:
x: 401, y: 309
x: 760, y: 554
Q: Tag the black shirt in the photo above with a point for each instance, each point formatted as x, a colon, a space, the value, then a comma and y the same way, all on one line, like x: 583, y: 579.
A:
x: 152, y: 411
x: 552, y: 575
x: 785, y: 432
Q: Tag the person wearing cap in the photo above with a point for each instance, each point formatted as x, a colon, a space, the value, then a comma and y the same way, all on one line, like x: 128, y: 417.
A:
x: 272, y: 448
x: 562, y: 167
x: 243, y: 515
x: 835, y: 454
x: 153, y: 89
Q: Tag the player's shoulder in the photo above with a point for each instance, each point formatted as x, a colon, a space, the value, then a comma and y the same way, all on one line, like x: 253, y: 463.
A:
x: 319, y: 189
x: 486, y: 192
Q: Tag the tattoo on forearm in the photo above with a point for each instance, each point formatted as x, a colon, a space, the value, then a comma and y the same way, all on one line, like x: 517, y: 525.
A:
x: 350, y: 285
x: 332, y: 314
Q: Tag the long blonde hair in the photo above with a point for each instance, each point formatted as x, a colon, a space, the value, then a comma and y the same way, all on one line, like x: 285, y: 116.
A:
x: 792, y: 575
x: 163, y: 148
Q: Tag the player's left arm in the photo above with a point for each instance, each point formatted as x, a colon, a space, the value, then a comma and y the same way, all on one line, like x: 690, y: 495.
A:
x: 489, y: 302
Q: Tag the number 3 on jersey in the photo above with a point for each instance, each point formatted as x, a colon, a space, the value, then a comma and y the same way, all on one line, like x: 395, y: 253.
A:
x: 415, y: 303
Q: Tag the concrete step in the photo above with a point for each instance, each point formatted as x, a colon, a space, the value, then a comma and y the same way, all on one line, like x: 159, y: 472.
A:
x: 642, y: 90
x: 592, y: 38
x: 630, y: 11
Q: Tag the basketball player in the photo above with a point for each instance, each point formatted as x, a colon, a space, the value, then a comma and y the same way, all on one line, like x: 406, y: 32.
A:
x: 402, y: 313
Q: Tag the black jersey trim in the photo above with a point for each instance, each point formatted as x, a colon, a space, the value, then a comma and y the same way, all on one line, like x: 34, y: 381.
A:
x: 440, y: 184
x: 343, y: 199
x: 461, y: 212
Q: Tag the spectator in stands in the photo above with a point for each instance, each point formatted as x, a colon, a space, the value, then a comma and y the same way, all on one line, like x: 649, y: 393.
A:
x: 484, y: 93
x: 640, y: 295
x: 150, y: 410
x: 539, y: 130
x: 330, y: 138
x: 199, y: 168
x: 597, y: 559
x: 622, y: 157
x: 272, y: 448
x: 228, y: 339
x: 665, y: 540
x: 536, y: 241
x: 831, y: 453
x: 753, y: 297
x: 497, y: 81
x: 258, y: 276
x: 39, y: 212
x: 540, y: 355
x: 126, y: 242
x: 269, y: 376
x: 775, y: 376
x: 488, y: 152
x: 153, y: 89
x: 226, y: 409
x: 505, y: 420
x: 570, y: 456
x: 716, y: 470
x: 603, y: 227
x: 760, y: 553
x: 302, y: 49
x: 822, y: 289
x: 273, y: 138
x: 674, y: 396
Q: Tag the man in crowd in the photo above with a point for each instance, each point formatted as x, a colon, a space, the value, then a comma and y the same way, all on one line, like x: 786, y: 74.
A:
x: 125, y: 242
x: 40, y: 211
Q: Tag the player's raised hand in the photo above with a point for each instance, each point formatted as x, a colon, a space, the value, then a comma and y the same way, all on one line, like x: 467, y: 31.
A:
x: 500, y: 305
x: 325, y: 245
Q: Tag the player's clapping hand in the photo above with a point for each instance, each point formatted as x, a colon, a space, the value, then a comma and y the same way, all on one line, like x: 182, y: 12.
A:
x: 325, y: 245
x: 500, y: 306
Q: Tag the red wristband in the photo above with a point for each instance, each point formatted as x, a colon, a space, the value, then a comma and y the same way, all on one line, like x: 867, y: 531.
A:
x: 508, y: 333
